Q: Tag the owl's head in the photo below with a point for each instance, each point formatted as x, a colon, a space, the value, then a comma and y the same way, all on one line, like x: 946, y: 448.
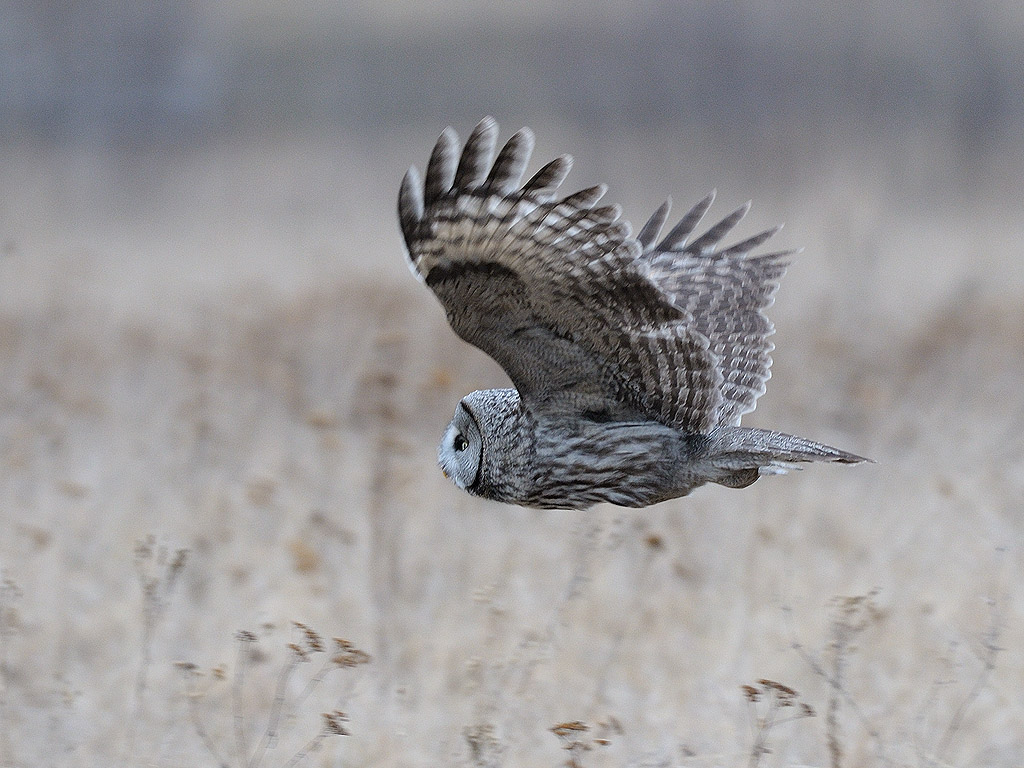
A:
x: 483, y: 442
x: 461, y: 449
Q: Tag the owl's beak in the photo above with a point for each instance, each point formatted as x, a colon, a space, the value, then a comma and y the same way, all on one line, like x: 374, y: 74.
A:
x: 443, y: 472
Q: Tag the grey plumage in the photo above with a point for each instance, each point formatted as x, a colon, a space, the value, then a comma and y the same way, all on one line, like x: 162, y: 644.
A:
x: 632, y: 360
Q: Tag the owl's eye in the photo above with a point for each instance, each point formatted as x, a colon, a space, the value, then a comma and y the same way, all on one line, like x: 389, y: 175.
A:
x: 461, y: 443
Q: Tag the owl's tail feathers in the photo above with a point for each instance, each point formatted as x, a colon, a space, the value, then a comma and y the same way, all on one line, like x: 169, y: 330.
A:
x: 742, y: 455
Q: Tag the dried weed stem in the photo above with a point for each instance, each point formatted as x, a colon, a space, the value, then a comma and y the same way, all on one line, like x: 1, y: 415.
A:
x: 245, y: 639
x: 990, y: 649
x: 157, y: 570
x: 573, y: 741
x: 485, y: 750
x: 190, y: 674
x: 849, y: 617
x: 9, y: 596
x: 345, y: 655
x: 771, y: 705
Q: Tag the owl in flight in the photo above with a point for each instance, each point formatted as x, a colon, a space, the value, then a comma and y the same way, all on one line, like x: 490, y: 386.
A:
x: 633, y: 359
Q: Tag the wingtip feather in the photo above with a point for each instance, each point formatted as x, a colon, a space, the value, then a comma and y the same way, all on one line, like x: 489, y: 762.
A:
x: 744, y: 247
x: 441, y: 166
x: 680, y: 233
x: 477, y: 155
x: 548, y: 179
x: 508, y: 168
x: 587, y: 198
x: 650, y: 231
x: 410, y: 201
x: 706, y: 243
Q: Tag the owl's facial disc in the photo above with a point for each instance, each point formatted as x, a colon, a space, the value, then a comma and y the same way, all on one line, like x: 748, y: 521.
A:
x: 461, y: 449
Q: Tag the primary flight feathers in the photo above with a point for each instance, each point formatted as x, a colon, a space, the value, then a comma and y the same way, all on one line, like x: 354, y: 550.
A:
x: 646, y: 308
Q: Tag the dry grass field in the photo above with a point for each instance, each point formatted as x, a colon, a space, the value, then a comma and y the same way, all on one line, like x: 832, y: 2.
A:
x: 220, y: 395
x: 224, y: 540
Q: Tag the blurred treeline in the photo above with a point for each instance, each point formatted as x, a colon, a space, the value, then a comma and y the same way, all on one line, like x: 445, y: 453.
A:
x: 156, y: 73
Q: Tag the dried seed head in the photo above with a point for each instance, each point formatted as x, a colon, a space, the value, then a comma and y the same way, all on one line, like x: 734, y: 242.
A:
x: 654, y: 541
x: 298, y: 651
x: 314, y: 643
x: 780, y: 687
x: 334, y: 723
x: 351, y: 659
x: 782, y: 692
x: 348, y: 655
x: 563, y: 730
x: 178, y: 562
x: 245, y: 636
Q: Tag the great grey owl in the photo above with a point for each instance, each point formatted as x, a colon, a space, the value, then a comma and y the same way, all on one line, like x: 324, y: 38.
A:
x: 632, y: 359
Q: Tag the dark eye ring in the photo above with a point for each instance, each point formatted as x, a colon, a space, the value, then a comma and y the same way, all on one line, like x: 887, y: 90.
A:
x: 461, y: 443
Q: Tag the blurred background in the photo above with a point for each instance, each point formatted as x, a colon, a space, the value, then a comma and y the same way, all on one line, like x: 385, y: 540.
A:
x: 154, y: 121
x: 208, y: 334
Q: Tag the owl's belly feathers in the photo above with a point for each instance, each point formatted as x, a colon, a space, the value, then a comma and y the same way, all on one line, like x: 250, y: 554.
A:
x: 574, y: 464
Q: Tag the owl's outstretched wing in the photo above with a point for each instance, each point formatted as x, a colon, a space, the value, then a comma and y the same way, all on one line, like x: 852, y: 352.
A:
x: 554, y: 290
x: 725, y: 291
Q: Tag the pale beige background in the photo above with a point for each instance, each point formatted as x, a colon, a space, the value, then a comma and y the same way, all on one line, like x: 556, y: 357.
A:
x: 208, y: 335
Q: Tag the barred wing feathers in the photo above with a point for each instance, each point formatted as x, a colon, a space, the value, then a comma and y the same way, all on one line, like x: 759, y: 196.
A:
x: 725, y: 291
x: 554, y: 290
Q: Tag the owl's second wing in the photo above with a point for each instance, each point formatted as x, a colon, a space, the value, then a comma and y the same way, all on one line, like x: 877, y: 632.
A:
x: 553, y: 289
x: 725, y: 291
